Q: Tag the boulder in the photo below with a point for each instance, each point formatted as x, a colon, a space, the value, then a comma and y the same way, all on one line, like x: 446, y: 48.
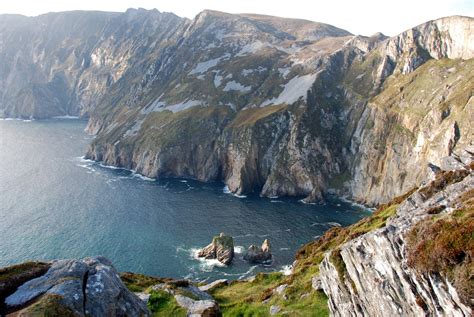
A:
x: 261, y: 254
x: 213, y: 285
x: 198, y: 308
x: 221, y: 248
x: 90, y: 286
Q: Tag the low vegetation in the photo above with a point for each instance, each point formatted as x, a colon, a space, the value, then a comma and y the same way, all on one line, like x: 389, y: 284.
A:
x: 162, y: 303
x: 13, y: 276
x: 444, y: 244
x: 48, y: 306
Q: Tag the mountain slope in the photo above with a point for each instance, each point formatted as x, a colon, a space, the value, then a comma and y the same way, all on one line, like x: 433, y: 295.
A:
x: 64, y: 63
x: 271, y: 115
x: 268, y: 105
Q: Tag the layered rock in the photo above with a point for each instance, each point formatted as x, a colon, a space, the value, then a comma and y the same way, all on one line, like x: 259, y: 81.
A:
x: 371, y: 275
x: 409, y: 93
x: 88, y: 287
x: 267, y: 105
x: 257, y: 254
x: 221, y: 248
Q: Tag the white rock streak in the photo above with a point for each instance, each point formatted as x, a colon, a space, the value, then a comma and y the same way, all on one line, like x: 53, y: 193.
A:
x: 295, y: 89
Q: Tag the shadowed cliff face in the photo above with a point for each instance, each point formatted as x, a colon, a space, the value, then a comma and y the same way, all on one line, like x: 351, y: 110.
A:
x: 63, y: 63
x: 269, y: 105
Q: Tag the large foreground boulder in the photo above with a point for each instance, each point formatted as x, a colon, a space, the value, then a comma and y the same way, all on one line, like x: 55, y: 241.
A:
x: 221, y: 248
x: 87, y: 287
x: 261, y: 254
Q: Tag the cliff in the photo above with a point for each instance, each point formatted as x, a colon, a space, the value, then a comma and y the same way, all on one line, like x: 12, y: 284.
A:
x: 356, y: 118
x: 267, y: 105
x: 418, y: 263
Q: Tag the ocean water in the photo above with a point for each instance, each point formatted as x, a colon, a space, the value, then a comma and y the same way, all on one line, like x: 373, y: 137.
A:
x: 54, y: 204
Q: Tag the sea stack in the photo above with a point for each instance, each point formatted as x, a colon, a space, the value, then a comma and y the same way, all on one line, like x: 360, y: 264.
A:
x: 259, y: 255
x: 221, y: 248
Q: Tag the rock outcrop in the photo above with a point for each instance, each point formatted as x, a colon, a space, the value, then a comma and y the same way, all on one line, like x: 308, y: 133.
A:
x: 221, y: 248
x: 372, y: 275
x: 196, y: 302
x: 257, y: 254
x: 87, y: 287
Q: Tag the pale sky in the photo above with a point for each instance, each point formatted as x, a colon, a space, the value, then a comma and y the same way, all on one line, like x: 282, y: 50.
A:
x: 357, y: 16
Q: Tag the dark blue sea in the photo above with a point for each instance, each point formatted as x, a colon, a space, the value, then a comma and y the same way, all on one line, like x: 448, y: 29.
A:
x: 54, y: 204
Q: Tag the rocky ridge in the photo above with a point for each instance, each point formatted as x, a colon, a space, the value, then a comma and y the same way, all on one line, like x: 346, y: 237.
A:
x: 371, y: 275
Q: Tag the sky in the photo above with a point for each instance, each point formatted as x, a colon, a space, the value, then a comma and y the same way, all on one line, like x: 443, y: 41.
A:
x: 364, y: 17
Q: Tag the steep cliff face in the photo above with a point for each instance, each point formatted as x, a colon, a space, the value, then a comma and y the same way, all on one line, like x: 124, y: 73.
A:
x: 382, y: 272
x: 232, y: 102
x: 353, y: 115
x: 267, y: 105
x: 63, y: 63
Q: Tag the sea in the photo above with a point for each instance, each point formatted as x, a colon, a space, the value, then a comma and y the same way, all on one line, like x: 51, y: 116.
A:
x: 54, y: 204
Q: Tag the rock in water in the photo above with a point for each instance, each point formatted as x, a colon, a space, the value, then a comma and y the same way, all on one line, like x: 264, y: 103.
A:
x: 87, y: 287
x: 221, y: 248
x: 259, y: 255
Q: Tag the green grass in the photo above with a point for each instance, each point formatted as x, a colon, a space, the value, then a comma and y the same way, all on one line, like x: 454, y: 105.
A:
x: 19, y: 269
x: 48, y: 306
x: 244, y: 298
x: 138, y: 282
x: 249, y: 117
x: 161, y: 303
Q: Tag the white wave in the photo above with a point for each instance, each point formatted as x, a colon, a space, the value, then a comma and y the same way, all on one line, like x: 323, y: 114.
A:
x: 135, y: 174
x: 334, y: 224
x: 305, y: 202
x: 244, y: 235
x: 183, y: 181
x: 206, y: 265
x: 276, y: 201
x: 67, y: 117
x: 226, y: 190
x: 356, y: 204
x: 246, y: 274
x: 284, y: 249
x: 111, y: 167
x: 287, y: 270
x: 83, y: 159
x: 239, y: 249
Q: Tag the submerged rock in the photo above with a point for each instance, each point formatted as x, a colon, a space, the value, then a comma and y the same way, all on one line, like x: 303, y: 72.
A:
x: 221, y: 248
x: 90, y: 286
x: 259, y: 255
